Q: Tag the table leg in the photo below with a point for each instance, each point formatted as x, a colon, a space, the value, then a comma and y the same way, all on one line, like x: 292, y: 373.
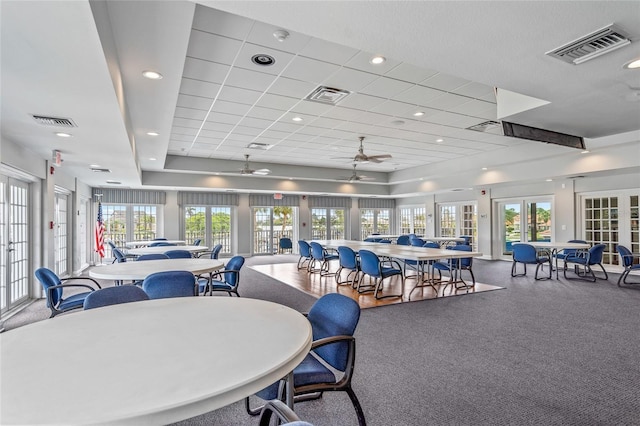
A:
x: 289, y: 390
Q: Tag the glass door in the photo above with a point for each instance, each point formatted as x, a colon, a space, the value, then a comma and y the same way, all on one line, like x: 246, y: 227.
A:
x: 263, y: 230
x: 14, y: 242
x: 510, y: 226
x: 61, y: 235
x: 516, y: 216
x: 328, y: 224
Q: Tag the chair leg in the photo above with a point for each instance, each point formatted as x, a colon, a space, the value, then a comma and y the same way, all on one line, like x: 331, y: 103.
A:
x: 606, y: 276
x: 514, y: 272
x: 356, y: 405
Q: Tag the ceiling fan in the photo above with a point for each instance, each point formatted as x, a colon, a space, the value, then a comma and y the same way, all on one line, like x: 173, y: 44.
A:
x: 246, y: 170
x: 361, y: 157
x: 355, y: 177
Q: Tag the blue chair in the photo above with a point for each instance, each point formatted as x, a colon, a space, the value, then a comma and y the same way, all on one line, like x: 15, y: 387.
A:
x: 455, y: 265
x: 334, y: 318
x: 372, y: 240
x: 159, y: 239
x: 54, y: 287
x: 227, y: 280
x: 286, y: 244
x: 418, y: 266
x: 626, y: 260
x: 416, y: 242
x: 118, y: 255
x: 178, y: 254
x: 563, y: 254
x: 160, y: 244
x: 152, y: 256
x: 587, y: 259
x: 214, y: 253
x: 403, y: 240
x: 305, y: 254
x: 348, y: 260
x: 528, y: 255
x: 114, y: 296
x: 466, y: 242
x: 197, y: 241
x: 321, y: 256
x: 371, y: 265
x: 283, y: 413
x: 161, y: 285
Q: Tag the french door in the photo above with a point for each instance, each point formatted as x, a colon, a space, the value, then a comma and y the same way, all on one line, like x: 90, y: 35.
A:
x: 327, y: 224
x: 523, y: 220
x: 61, y: 234
x: 270, y: 224
x: 14, y: 242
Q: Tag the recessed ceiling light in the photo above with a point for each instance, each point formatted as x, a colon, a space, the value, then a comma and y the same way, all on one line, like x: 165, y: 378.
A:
x: 152, y: 159
x: 418, y: 114
x: 634, y: 64
x: 439, y: 140
x: 484, y: 168
x: 297, y: 118
x: 549, y: 180
x: 153, y: 75
x: 263, y: 59
x: 584, y: 152
x: 152, y: 133
x: 93, y: 166
x: 377, y: 60
x: 63, y: 135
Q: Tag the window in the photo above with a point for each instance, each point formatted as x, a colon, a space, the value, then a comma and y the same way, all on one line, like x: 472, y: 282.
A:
x: 128, y: 223
x: 525, y: 220
x: 374, y: 221
x: 413, y: 220
x: 328, y: 224
x: 458, y: 219
x: 210, y: 224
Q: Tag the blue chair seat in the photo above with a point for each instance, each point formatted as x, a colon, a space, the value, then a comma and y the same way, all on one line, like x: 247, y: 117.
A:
x: 388, y: 272
x: 221, y: 285
x: 73, y: 301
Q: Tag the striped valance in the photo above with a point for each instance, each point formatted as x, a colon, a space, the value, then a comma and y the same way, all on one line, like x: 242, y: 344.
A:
x: 129, y: 196
x: 207, y: 199
x: 267, y: 200
x: 331, y: 202
x: 376, y: 203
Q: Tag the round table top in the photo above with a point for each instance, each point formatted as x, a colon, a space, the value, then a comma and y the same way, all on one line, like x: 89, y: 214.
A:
x: 134, y: 270
x: 144, y: 243
x: 151, y: 362
x: 163, y: 249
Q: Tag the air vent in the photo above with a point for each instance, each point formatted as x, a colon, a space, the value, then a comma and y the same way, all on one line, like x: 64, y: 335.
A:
x: 484, y: 126
x: 259, y: 146
x: 327, y: 95
x: 100, y: 170
x: 114, y: 182
x: 54, y: 121
x: 591, y: 46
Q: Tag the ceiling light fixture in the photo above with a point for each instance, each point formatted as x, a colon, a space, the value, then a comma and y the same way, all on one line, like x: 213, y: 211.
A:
x: 584, y: 152
x: 439, y: 140
x: 418, y: 114
x: 263, y: 59
x: 63, y: 135
x: 297, y: 118
x: 633, y: 64
x: 484, y: 168
x: 152, y: 75
x: 152, y: 159
x: 94, y: 166
x: 281, y: 35
x: 549, y: 180
x: 153, y: 133
x: 377, y: 60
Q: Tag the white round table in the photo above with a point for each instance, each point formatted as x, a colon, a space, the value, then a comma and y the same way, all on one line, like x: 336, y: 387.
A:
x: 133, y: 270
x: 163, y: 249
x: 151, y: 362
x: 144, y: 243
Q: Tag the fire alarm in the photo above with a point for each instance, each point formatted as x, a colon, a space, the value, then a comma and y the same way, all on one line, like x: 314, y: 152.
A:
x: 483, y: 192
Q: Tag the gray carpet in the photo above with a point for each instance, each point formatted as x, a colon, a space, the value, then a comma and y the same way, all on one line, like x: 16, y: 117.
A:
x: 540, y: 352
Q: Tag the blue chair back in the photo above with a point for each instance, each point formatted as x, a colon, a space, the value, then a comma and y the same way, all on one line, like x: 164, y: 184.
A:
x: 431, y: 244
x: 178, y: 254
x: 159, y: 239
x: 466, y: 242
x: 347, y: 257
x: 234, y: 264
x: 625, y: 255
x: 114, y: 296
x: 417, y: 242
x: 286, y: 243
x: 372, y: 240
x: 304, y: 248
x: 215, y: 252
x: 48, y: 278
x: 334, y: 315
x: 385, y: 241
x: 119, y: 255
x: 162, y: 285
x: 524, y: 253
x: 403, y: 240
x: 595, y: 254
x: 572, y: 252
x: 197, y: 241
x: 370, y: 263
x: 465, y: 261
x: 317, y: 252
x: 152, y: 256
x: 160, y: 244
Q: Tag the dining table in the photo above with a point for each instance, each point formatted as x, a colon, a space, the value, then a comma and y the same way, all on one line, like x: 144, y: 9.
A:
x: 163, y: 249
x: 135, y: 363
x: 135, y: 271
x: 144, y: 243
x: 552, y: 248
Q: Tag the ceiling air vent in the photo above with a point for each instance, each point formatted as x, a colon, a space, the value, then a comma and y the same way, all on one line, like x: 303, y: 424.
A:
x: 591, y: 46
x: 259, y: 146
x: 484, y: 126
x: 54, y: 121
x: 327, y: 95
x: 100, y: 170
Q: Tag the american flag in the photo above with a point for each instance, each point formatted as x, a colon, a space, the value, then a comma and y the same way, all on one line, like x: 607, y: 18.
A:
x: 100, y: 232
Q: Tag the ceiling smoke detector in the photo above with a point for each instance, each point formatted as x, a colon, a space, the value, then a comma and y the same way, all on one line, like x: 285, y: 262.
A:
x: 263, y: 60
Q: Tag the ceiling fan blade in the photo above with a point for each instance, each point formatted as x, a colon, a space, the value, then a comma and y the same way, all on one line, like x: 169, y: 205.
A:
x: 379, y: 158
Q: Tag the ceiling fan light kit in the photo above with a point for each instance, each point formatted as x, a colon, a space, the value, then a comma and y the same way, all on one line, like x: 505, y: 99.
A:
x: 246, y: 170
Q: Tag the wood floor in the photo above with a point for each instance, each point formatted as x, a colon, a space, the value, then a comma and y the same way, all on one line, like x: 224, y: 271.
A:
x: 316, y: 285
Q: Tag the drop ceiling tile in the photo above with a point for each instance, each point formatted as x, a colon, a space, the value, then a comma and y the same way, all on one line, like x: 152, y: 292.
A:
x: 239, y: 95
x: 444, y: 82
x: 473, y: 107
x: 274, y: 134
x: 212, y: 47
x: 218, y: 117
x: 248, y: 79
x: 204, y: 153
x: 262, y: 34
x: 395, y: 108
x: 248, y: 131
x: 311, y: 108
x: 207, y: 148
x: 346, y: 114
x: 445, y: 118
x: 255, y: 123
x: 194, y: 102
x: 265, y: 113
x: 176, y: 130
x: 475, y: 90
x: 181, y: 138
x: 324, y: 122
x: 194, y: 114
x: 361, y: 101
x: 218, y: 127
x: 349, y: 79
x: 385, y: 87
x: 222, y: 23
x: 465, y: 121
x: 249, y: 50
x: 199, y: 88
x: 361, y: 61
x: 206, y: 133
x: 204, y: 70
x: 185, y: 122
x: 240, y: 139
x: 230, y: 108
x: 418, y: 95
x: 279, y: 102
x: 327, y: 51
x: 309, y: 70
x: 292, y: 88
x: 410, y: 73
x: 377, y: 119
x: 447, y: 101
x: 179, y: 146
